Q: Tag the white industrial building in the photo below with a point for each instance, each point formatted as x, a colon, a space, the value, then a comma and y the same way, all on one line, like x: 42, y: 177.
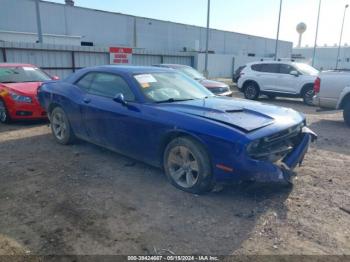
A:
x: 64, y: 24
x: 325, y: 57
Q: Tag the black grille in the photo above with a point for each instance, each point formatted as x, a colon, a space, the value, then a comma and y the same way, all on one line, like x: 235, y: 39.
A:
x: 277, y: 146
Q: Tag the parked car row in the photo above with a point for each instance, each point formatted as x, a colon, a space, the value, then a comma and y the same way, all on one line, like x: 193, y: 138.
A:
x: 163, y: 117
x: 169, y: 120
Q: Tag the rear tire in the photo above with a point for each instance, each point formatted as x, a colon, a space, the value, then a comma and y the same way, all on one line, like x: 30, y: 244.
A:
x: 346, y: 113
x: 187, y: 166
x: 251, y: 91
x: 308, y: 95
x: 61, y: 128
x: 4, y: 114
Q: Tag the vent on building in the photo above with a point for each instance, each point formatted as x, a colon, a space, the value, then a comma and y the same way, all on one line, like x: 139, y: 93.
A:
x: 87, y: 44
x: 251, y: 54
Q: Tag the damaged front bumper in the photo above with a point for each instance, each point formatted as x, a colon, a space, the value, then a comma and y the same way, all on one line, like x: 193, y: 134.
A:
x: 296, y: 157
x: 282, y: 171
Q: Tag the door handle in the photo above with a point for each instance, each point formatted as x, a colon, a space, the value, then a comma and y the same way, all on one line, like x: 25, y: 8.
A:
x: 87, y: 100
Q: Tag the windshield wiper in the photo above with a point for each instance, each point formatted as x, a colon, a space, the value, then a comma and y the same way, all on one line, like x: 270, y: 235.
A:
x: 172, y: 100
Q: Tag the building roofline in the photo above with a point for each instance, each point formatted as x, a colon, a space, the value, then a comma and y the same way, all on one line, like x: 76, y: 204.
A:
x: 159, y: 20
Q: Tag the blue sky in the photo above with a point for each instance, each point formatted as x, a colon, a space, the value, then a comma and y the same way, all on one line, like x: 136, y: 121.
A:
x: 256, y: 17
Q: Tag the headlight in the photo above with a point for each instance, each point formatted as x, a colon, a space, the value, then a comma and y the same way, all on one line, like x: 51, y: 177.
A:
x: 253, y: 146
x: 20, y: 98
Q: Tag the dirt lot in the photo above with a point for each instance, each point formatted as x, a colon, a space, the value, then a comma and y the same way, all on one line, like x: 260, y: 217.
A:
x: 83, y: 199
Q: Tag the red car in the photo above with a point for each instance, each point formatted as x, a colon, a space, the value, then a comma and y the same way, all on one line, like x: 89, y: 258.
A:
x: 18, y: 92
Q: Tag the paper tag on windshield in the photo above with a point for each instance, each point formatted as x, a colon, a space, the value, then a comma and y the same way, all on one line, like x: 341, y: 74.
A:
x: 28, y: 68
x: 145, y: 79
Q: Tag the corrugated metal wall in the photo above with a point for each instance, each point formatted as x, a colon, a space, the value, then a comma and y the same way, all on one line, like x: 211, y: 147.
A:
x: 146, y: 60
x: 126, y: 30
x: 63, y: 60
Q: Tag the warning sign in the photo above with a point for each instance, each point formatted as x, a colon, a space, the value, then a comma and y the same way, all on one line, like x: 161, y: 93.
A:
x: 120, y: 55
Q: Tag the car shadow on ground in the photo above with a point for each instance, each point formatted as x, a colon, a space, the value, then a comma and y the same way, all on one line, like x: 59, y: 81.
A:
x: 17, y: 125
x: 88, y: 200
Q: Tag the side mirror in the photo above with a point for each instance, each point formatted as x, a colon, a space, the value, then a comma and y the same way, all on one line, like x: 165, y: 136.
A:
x: 119, y: 98
x: 294, y: 73
x: 55, y: 78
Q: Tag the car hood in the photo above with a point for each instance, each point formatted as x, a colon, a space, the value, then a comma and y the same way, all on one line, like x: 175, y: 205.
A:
x: 212, y: 84
x: 242, y: 114
x: 27, y: 88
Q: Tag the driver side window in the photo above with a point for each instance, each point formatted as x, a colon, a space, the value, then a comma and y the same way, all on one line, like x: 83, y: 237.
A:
x: 286, y: 69
x: 107, y: 85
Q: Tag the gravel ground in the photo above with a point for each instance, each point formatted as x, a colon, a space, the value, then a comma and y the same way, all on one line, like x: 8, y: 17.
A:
x: 83, y: 199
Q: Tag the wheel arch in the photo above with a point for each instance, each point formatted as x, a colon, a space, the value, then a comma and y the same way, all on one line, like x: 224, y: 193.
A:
x: 171, y: 135
x: 250, y: 81
x: 345, y: 99
x: 305, y: 87
x: 51, y: 107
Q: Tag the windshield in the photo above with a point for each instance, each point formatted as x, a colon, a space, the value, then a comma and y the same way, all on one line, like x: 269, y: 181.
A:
x: 191, y: 72
x: 171, y: 87
x: 306, y: 69
x: 22, y: 74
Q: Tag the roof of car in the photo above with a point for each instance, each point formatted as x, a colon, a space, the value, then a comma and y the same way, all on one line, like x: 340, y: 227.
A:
x: 15, y: 65
x: 272, y: 62
x: 128, y: 69
x: 171, y: 65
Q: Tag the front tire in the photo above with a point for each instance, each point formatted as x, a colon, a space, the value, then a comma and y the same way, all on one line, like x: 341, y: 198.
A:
x: 60, y: 127
x: 251, y: 91
x: 308, y: 95
x: 187, y: 166
x: 4, y: 114
x: 346, y: 113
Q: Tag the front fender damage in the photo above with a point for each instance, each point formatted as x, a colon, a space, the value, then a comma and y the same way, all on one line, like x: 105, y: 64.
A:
x: 296, y: 157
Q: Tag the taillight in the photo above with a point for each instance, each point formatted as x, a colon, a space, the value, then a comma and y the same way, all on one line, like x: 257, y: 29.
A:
x: 317, y: 85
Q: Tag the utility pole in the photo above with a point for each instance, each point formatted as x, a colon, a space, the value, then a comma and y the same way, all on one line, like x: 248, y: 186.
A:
x: 206, y: 72
x: 315, y: 45
x: 278, y: 30
x: 38, y: 21
x: 341, y: 37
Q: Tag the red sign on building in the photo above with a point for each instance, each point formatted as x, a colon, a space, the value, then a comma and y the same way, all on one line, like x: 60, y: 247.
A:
x: 120, y: 55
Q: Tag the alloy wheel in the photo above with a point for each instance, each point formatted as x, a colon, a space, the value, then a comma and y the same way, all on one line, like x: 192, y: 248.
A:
x: 308, y: 97
x: 250, y: 92
x: 183, y: 166
x: 59, y: 125
x: 3, y: 113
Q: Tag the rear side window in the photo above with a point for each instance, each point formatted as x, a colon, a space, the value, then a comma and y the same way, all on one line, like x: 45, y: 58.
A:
x: 256, y: 67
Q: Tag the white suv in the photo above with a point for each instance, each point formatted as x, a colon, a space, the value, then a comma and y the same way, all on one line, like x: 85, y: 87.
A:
x: 278, y: 78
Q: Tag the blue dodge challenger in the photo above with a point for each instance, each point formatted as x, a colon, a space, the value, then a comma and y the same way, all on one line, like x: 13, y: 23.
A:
x: 165, y: 119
